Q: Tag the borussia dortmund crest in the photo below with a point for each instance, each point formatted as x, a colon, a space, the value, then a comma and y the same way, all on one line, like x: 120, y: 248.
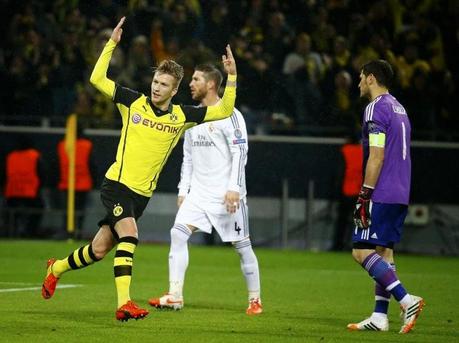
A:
x: 117, y: 210
x: 173, y: 117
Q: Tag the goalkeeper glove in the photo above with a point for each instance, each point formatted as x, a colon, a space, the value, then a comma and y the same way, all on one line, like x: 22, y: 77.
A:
x: 362, y: 212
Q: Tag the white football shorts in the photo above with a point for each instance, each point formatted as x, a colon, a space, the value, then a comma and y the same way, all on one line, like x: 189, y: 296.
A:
x: 231, y: 227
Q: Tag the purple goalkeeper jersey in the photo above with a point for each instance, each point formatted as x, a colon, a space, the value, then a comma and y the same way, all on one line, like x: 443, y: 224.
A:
x: 386, y: 115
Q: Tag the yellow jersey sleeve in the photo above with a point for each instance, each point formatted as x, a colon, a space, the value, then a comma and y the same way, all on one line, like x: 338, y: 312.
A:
x: 225, y: 107
x: 99, y: 77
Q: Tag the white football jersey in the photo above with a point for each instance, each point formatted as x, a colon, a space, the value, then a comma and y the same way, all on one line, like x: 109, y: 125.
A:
x: 214, y: 159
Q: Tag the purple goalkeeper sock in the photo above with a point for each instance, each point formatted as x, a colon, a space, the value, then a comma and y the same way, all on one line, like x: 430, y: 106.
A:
x: 382, y: 297
x: 383, y: 274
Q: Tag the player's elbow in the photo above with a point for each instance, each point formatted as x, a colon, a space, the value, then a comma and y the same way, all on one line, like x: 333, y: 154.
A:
x: 93, y: 79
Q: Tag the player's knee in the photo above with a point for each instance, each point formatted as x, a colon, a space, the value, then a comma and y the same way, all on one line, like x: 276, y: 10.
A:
x: 174, y: 233
x: 386, y: 253
x: 357, y: 255
x: 100, y: 251
x: 242, y: 244
x: 180, y: 232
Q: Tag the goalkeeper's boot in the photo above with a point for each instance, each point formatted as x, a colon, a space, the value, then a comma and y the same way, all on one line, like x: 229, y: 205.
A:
x: 255, y: 307
x: 50, y: 282
x: 410, y: 314
x: 130, y: 310
x: 370, y: 324
x: 167, y: 301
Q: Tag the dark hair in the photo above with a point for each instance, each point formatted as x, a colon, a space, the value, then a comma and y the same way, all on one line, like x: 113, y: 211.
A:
x: 171, y: 68
x: 211, y: 73
x: 381, y: 70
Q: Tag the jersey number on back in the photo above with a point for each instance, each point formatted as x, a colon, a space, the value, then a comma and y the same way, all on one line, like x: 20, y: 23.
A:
x: 404, y: 141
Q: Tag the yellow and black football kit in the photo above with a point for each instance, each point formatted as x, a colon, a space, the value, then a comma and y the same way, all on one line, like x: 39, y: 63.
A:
x: 147, y: 138
x: 149, y: 134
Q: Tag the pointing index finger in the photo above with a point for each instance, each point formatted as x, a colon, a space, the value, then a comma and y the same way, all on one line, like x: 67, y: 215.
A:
x: 229, y: 53
x: 121, y: 22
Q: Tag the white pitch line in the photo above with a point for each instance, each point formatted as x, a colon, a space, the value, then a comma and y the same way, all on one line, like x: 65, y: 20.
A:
x: 5, y: 290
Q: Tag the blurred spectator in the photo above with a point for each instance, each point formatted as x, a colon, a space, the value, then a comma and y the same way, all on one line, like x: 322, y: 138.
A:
x: 408, y: 63
x: 377, y: 48
x: 350, y: 183
x: 218, y: 27
x: 303, y: 70
x: 22, y: 192
x: 280, y: 38
x: 137, y: 73
x: 68, y: 72
x: 162, y: 50
x: 341, y: 55
x: 84, y: 171
x: 258, y: 75
x: 179, y: 23
x: 337, y: 62
x: 418, y: 101
x: 343, y: 111
x: 323, y: 32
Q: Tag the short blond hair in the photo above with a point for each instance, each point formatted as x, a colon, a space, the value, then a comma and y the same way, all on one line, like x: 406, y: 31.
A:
x: 171, y: 68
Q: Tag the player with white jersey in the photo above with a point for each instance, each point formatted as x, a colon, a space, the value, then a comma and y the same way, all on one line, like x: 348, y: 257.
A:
x: 212, y: 153
x: 212, y: 193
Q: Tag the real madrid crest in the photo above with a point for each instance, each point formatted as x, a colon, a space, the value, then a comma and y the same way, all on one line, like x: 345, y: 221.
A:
x: 117, y: 210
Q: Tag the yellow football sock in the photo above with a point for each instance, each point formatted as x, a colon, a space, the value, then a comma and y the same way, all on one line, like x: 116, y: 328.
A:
x: 80, y: 258
x: 122, y: 266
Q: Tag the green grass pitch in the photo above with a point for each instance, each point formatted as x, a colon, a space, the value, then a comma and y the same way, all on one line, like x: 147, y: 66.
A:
x: 307, y: 297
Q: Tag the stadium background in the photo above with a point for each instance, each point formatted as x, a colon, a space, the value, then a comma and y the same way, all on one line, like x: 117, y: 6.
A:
x: 297, y: 122
x: 297, y: 119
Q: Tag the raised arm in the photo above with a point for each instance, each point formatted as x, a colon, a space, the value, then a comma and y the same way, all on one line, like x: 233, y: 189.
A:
x: 99, y: 77
x: 225, y: 107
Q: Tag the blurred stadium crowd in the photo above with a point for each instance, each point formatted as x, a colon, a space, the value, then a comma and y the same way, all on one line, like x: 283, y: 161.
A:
x: 298, y: 60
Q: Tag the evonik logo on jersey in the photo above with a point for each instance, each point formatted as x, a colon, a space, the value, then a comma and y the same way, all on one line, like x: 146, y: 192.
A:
x: 137, y: 119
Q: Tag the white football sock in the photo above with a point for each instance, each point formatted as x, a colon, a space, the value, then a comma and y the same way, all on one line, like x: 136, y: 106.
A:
x: 178, y: 258
x: 406, y: 301
x: 249, y: 266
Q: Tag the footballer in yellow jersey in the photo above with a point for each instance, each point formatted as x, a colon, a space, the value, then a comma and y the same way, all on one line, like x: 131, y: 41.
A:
x: 150, y: 133
x: 151, y: 128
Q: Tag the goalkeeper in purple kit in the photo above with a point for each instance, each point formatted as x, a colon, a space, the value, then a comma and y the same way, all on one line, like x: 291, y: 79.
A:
x: 382, y: 204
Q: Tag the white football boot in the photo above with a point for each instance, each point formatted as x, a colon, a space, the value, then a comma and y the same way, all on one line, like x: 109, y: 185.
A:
x: 167, y: 301
x: 369, y: 324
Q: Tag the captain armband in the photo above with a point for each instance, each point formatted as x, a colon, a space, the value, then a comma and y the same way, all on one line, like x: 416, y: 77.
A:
x: 377, y: 139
